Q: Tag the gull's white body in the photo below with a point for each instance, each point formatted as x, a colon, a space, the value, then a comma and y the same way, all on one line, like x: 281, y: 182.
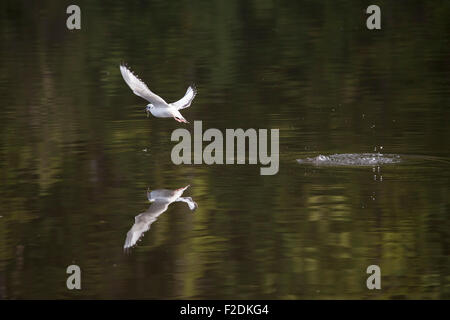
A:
x: 160, y: 199
x: 164, y: 112
x: 157, y: 106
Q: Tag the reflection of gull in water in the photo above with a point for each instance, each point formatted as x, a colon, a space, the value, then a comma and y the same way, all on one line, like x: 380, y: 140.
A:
x: 157, y: 106
x: 161, y: 199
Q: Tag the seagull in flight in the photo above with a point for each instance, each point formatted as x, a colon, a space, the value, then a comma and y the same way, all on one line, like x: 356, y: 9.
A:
x: 160, y: 199
x: 157, y: 106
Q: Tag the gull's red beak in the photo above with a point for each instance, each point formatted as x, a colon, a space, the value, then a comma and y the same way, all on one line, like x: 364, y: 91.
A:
x: 181, y: 120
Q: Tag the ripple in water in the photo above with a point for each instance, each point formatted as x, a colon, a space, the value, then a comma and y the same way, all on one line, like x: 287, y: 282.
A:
x: 352, y: 159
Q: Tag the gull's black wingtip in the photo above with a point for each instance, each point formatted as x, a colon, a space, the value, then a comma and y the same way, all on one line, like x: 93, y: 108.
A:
x: 194, y: 87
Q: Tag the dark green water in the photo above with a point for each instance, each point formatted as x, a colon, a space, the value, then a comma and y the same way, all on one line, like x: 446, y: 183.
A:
x: 74, y: 172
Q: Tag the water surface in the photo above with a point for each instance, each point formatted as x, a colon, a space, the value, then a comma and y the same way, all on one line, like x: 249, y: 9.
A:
x: 77, y: 152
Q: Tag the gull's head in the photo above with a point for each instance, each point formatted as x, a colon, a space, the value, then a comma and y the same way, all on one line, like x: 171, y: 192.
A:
x: 182, y: 189
x: 179, y: 192
x: 148, y: 108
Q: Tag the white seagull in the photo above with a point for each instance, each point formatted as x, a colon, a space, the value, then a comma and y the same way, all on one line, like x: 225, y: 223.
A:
x: 157, y: 106
x: 160, y: 199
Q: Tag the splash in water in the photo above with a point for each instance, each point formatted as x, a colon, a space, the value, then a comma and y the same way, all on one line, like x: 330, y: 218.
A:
x: 352, y: 159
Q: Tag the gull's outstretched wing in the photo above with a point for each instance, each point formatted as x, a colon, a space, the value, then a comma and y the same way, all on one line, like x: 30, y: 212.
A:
x: 143, y: 221
x: 139, y: 87
x: 186, y: 100
x: 191, y: 203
